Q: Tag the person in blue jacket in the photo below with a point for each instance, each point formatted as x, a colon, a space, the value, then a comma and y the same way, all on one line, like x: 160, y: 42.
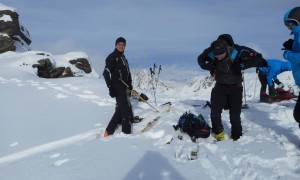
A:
x: 292, y: 50
x: 268, y: 75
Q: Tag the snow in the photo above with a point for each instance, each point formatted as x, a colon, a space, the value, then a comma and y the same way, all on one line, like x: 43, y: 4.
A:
x: 5, y: 18
x: 49, y: 128
x: 52, y: 128
x: 4, y: 7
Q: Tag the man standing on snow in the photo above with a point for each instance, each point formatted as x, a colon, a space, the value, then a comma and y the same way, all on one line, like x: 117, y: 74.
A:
x: 227, y: 62
x: 268, y: 75
x: 292, y: 50
x: 116, y: 72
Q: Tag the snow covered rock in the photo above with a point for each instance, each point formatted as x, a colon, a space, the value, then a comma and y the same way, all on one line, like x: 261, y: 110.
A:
x: 59, y: 66
x: 15, y: 31
x: 7, y: 44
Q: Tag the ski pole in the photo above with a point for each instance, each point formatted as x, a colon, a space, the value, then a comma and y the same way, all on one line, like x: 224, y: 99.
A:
x: 166, y: 103
x: 156, y: 81
x: 255, y: 89
x: 244, y: 85
x: 169, y: 106
x: 152, y: 71
x: 135, y: 93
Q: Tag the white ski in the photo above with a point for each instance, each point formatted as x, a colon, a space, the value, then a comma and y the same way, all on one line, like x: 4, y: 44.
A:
x: 150, y: 124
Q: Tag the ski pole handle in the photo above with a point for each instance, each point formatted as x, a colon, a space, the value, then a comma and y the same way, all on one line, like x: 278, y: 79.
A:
x: 135, y: 93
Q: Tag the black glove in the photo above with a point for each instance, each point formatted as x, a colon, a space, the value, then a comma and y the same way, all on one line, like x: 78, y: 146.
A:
x: 130, y: 87
x: 288, y: 45
x: 272, y: 92
x: 112, y: 92
x: 277, y: 81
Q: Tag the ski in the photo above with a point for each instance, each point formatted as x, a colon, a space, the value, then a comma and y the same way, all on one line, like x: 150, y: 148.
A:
x: 179, y: 146
x: 150, y: 124
x: 194, y: 153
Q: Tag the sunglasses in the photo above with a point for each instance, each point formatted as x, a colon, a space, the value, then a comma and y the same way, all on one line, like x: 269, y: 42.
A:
x: 289, y: 23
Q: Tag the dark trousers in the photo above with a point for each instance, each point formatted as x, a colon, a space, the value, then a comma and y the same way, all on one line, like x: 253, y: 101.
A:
x: 263, y: 81
x: 123, y: 111
x: 232, y: 97
x: 297, y: 110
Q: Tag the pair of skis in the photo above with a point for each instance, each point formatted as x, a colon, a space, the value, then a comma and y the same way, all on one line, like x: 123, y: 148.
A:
x: 192, y: 154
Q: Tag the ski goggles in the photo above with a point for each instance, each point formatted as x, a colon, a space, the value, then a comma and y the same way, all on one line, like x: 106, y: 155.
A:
x: 289, y: 23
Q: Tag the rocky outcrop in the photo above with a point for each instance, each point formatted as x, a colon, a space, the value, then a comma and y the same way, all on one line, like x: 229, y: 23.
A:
x: 52, y: 67
x: 45, y: 69
x: 82, y: 64
x: 7, y: 44
x: 12, y: 32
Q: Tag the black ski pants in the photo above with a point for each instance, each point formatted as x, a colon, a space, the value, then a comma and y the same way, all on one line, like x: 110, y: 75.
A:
x: 231, y: 96
x: 263, y: 81
x: 297, y: 110
x: 123, y: 111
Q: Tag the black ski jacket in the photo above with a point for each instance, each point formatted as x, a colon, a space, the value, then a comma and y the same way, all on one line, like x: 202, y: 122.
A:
x: 116, y: 69
x: 228, y: 70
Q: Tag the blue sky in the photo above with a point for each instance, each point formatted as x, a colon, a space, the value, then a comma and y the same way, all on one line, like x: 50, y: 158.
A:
x: 161, y: 31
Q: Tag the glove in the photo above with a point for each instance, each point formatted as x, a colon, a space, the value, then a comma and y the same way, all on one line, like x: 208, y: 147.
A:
x: 280, y: 86
x: 112, y: 92
x: 288, y: 45
x: 272, y: 92
x: 277, y: 81
x: 130, y: 87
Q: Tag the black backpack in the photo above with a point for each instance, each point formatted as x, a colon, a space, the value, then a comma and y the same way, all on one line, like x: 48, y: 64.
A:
x: 194, y: 126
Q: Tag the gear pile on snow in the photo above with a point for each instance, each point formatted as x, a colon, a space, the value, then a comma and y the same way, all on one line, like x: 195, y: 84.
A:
x: 194, y: 126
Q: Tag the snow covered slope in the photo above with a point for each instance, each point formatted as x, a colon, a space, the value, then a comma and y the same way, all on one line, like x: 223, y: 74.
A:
x: 48, y: 130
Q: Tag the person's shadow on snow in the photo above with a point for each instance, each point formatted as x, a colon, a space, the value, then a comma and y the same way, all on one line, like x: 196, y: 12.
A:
x: 153, y: 166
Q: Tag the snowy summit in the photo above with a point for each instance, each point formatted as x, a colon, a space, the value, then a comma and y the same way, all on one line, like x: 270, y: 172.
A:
x: 50, y: 127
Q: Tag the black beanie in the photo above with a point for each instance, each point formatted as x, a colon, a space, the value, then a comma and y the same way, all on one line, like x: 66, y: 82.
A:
x: 120, y: 39
x: 227, y: 38
x: 218, y: 47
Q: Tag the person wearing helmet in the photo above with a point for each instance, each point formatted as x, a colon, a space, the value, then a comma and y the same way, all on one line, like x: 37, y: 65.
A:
x: 292, y: 50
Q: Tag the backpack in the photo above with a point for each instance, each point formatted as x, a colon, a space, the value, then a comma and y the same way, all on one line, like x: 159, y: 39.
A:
x: 194, y: 126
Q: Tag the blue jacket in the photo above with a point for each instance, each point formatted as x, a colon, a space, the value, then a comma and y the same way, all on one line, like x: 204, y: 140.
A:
x: 294, y: 55
x: 275, y: 67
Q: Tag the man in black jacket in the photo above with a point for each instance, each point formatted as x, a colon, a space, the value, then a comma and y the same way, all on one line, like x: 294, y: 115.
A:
x: 116, y: 73
x: 225, y: 62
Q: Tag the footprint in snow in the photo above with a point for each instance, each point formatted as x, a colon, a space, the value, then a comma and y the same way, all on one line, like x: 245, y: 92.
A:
x: 88, y: 92
x: 14, y: 144
x: 61, y: 96
x: 53, y: 156
x: 60, y: 162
